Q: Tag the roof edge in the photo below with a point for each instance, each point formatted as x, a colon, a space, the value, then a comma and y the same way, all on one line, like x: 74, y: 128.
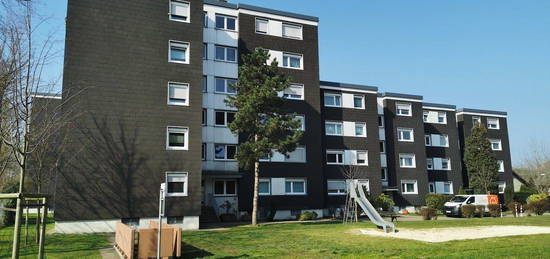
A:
x: 468, y: 110
x: 399, y: 95
x: 262, y: 9
x: 439, y: 105
x: 346, y: 85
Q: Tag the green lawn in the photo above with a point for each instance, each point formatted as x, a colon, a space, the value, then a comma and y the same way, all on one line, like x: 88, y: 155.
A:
x: 57, y: 246
x: 335, y: 240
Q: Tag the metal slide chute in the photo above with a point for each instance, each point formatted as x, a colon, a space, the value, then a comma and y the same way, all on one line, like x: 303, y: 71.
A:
x: 358, y: 193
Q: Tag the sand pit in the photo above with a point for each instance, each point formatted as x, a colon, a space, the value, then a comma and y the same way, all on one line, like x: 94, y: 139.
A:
x: 436, y: 235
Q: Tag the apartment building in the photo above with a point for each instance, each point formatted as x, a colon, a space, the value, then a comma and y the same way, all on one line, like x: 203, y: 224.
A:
x: 148, y: 80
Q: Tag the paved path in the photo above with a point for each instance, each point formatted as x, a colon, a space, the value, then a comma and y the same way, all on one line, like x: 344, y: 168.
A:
x: 109, y: 253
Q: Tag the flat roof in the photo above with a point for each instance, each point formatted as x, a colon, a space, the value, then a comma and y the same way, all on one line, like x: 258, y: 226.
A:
x: 398, y: 95
x: 439, y: 105
x: 468, y: 110
x: 346, y: 85
x: 261, y: 9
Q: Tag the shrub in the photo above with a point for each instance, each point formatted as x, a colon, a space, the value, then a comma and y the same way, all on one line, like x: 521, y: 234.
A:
x: 537, y: 197
x: 494, y: 210
x: 309, y: 215
x: 480, y: 210
x: 428, y: 213
x: 461, y: 191
x: 521, y: 197
x: 383, y: 201
x: 468, y: 211
x: 538, y: 206
x: 437, y: 201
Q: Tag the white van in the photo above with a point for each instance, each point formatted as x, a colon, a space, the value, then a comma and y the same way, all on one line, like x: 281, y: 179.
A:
x: 452, y: 207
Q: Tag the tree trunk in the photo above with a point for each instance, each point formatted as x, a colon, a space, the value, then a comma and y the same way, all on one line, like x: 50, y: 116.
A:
x: 256, y: 193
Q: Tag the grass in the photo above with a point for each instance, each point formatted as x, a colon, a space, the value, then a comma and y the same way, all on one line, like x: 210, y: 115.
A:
x: 57, y: 246
x: 335, y: 240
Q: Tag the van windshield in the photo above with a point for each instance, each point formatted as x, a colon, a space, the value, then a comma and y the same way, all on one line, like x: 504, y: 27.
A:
x: 459, y: 199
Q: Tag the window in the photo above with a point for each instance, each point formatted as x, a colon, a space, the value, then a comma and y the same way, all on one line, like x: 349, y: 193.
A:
x: 362, y: 158
x: 177, y: 138
x: 224, y: 85
x: 302, y: 120
x: 265, y: 187
x: 333, y: 128
x: 225, y: 188
x: 382, y: 146
x: 445, y: 164
x: 227, y: 54
x: 179, y: 11
x: 333, y: 100
x: 360, y: 129
x: 476, y: 120
x: 296, y: 156
x: 261, y: 26
x: 292, y: 31
x: 295, y: 92
x: 205, y: 51
x: 448, y: 187
x: 225, y: 22
x: 425, y: 116
x: 178, y: 94
x: 336, y: 187
x: 176, y: 184
x: 225, y: 152
x: 428, y: 140
x: 174, y: 220
x: 223, y: 118
x: 496, y: 144
x: 384, y: 174
x: 203, y: 152
x: 403, y: 109
x: 204, y: 84
x: 179, y: 52
x: 432, y: 188
x: 205, y: 19
x: 409, y: 187
x: 501, y: 187
x: 443, y: 140
x: 335, y: 157
x: 292, y: 61
x: 204, y: 116
x: 407, y: 161
x: 493, y: 123
x: 295, y: 186
x: 430, y: 164
x: 380, y: 121
x: 500, y: 166
x: 405, y: 135
x: 358, y: 101
x: 442, y: 117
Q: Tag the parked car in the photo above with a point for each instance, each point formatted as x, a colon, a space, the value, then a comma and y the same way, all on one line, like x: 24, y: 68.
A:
x: 452, y: 207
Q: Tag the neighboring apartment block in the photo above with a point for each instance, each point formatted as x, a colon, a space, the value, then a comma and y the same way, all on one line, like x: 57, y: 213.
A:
x: 149, y: 79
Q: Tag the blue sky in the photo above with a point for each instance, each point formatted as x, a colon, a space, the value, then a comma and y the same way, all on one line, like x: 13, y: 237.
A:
x: 477, y: 54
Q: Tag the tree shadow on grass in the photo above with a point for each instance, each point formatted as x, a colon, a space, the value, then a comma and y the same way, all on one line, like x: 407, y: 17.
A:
x: 190, y: 251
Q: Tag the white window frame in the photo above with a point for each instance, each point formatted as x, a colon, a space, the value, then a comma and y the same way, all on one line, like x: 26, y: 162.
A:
x: 226, y: 85
x: 381, y: 121
x: 430, y: 164
x: 178, y: 85
x: 302, y: 119
x: 337, y: 153
x: 204, y: 120
x: 225, y: 59
x: 177, y: 129
x: 364, y: 126
x: 425, y: 116
x: 366, y: 163
x: 205, y: 19
x: 226, y: 123
x: 383, y: 146
x: 335, y: 96
x: 501, y: 167
x: 362, y: 101
x: 404, y: 190
x: 187, y: 51
x: 338, y: 191
x: 448, y: 164
x: 493, y: 141
x: 398, y: 110
x: 292, y: 180
x: 428, y: 140
x: 288, y: 95
x: 295, y: 26
x: 224, y: 194
x: 292, y: 55
x: 268, y: 181
x: 402, y: 156
x: 400, y: 135
x: 179, y: 2
x: 256, y: 25
x: 476, y: 119
x: 384, y: 172
x: 503, y: 184
x: 225, y: 152
x: 450, y: 188
x: 336, y: 123
x: 203, y: 151
x: 169, y: 175
x: 446, y: 138
x: 225, y: 17
x: 497, y: 124
x: 431, y: 187
x: 444, y: 117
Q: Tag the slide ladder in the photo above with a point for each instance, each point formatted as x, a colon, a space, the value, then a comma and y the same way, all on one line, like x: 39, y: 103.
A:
x: 357, y: 191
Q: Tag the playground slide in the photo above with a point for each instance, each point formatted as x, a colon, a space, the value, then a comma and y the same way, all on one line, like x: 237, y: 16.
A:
x: 358, y: 193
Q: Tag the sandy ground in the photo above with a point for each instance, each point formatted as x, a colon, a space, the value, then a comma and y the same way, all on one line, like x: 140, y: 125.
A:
x: 436, y: 235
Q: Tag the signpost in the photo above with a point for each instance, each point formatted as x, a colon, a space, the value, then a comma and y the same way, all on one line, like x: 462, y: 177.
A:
x: 161, y: 214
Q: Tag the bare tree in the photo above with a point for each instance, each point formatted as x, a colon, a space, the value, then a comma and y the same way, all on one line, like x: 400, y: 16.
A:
x: 536, y: 167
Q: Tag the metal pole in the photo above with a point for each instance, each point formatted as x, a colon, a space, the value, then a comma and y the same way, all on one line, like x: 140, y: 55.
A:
x: 43, y: 219
x: 26, y: 225
x: 37, y: 232
x: 161, y: 213
x: 17, y: 229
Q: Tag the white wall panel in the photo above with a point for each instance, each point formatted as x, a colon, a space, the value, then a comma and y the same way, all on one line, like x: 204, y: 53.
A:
x: 349, y: 128
x: 382, y: 133
x: 347, y: 100
x: 275, y: 28
x: 277, y: 186
x: 383, y: 160
x: 380, y: 105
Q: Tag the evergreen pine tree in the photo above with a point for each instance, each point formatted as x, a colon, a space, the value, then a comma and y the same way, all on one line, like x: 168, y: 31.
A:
x: 261, y: 122
x: 480, y: 161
